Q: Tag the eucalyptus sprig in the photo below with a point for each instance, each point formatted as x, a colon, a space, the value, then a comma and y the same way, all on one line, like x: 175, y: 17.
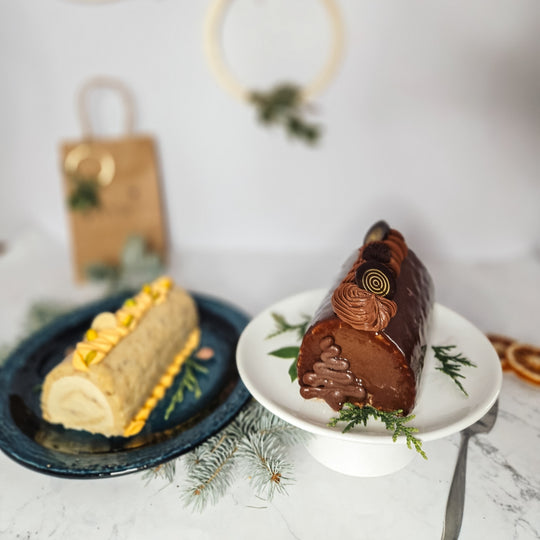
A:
x: 393, y: 421
x: 283, y: 105
x: 282, y: 326
x: 138, y: 265
x: 451, y: 364
x: 85, y: 194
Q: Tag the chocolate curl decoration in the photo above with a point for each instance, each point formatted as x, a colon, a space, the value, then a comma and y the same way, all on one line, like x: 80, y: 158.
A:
x: 362, y: 309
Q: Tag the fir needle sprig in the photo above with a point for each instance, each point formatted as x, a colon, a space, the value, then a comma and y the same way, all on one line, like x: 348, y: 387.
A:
x: 451, y: 364
x: 393, y: 421
x: 254, y: 445
x: 166, y: 470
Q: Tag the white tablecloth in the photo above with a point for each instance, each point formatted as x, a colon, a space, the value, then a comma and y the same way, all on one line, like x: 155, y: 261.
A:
x: 503, y: 478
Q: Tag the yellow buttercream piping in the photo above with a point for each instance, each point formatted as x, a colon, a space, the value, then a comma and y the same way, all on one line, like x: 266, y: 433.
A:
x: 98, y: 343
x: 164, y: 383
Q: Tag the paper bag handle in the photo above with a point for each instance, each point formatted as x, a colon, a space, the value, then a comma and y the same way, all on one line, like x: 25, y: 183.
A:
x: 111, y: 84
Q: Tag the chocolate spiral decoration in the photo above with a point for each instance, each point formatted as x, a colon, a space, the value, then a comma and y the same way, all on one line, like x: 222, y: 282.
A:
x: 376, y: 278
x: 376, y: 281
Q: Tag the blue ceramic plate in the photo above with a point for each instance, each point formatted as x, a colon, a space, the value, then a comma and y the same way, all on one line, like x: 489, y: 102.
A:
x: 169, y: 432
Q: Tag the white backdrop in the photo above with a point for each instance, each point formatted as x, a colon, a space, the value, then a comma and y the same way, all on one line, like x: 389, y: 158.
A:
x: 433, y: 121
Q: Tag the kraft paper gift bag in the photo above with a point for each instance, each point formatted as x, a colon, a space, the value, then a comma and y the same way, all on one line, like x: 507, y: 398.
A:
x: 112, y: 190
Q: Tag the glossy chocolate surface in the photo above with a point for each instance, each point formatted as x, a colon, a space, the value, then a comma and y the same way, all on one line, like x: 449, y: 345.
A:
x: 386, y: 364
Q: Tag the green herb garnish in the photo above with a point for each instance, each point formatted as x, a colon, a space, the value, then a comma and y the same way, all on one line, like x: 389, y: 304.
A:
x: 188, y: 383
x: 393, y: 421
x: 452, y: 363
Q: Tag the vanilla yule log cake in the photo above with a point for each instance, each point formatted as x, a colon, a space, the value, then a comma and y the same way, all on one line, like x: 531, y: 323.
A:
x: 124, y: 364
x: 366, y: 342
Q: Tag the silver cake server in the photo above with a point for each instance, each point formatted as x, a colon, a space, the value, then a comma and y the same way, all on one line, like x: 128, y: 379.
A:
x: 456, y: 496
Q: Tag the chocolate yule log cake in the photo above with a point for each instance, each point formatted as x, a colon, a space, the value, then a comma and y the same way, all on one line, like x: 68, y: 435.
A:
x: 124, y: 364
x: 366, y: 342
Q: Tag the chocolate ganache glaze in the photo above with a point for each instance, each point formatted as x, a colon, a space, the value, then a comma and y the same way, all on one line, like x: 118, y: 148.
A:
x: 366, y: 341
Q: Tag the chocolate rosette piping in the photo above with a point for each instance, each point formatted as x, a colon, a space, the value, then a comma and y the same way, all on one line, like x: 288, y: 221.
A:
x: 362, y: 309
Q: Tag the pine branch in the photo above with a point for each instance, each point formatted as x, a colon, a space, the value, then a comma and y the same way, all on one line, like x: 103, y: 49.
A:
x: 282, y: 326
x: 255, y: 419
x: 393, y: 421
x: 269, y: 473
x: 452, y: 363
x: 166, y: 471
x: 210, y: 470
x: 253, y: 445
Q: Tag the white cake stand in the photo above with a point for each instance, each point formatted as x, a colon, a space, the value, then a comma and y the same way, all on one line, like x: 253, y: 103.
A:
x: 441, y: 409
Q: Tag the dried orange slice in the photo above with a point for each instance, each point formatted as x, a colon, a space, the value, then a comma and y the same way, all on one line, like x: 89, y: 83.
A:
x: 501, y: 344
x: 525, y: 361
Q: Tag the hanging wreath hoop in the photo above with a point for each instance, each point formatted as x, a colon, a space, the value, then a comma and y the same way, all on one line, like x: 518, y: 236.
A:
x: 214, y: 52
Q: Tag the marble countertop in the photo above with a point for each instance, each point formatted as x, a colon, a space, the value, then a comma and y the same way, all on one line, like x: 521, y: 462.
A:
x: 503, y: 477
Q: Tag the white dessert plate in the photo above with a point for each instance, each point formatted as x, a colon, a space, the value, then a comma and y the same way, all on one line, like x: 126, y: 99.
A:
x: 441, y: 408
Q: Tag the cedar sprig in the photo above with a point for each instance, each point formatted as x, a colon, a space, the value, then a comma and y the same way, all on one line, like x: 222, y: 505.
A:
x: 394, y: 421
x: 282, y: 326
x: 451, y: 364
x: 283, y: 105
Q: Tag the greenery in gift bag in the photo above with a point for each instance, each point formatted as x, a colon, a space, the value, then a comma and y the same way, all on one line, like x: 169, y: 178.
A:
x: 85, y: 194
x: 137, y: 265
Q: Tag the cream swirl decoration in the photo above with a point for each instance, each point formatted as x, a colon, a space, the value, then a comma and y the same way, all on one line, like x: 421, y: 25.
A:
x: 362, y: 309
